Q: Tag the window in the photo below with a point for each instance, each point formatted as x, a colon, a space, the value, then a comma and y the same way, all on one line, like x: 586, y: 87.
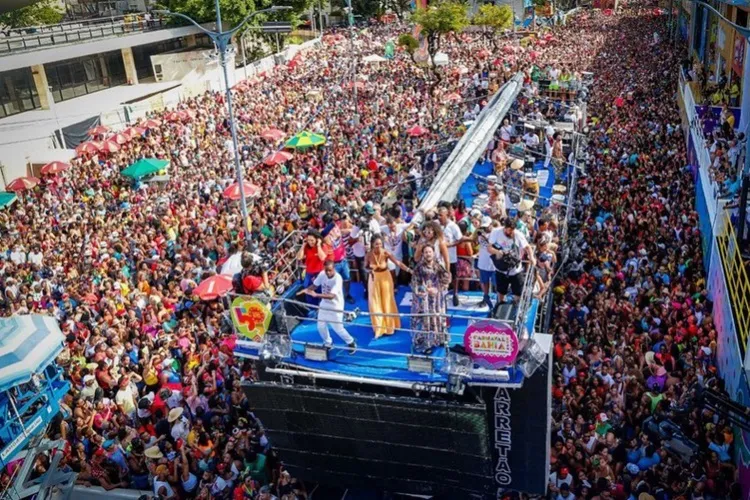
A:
x: 17, y: 92
x: 741, y: 17
x: 77, y: 77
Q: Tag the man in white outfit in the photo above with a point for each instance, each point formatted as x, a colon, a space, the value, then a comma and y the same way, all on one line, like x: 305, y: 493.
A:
x: 331, y: 311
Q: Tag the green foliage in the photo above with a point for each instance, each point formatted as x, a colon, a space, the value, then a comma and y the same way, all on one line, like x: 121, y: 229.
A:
x: 234, y: 11
x: 36, y: 14
x: 494, y: 17
x: 443, y: 18
x: 408, y: 42
x: 364, y: 8
x: 399, y: 7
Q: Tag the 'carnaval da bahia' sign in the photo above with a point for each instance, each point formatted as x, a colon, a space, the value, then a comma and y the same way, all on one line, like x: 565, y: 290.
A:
x: 494, y: 345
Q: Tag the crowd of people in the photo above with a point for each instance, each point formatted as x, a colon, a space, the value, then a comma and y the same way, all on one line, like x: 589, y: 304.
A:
x: 157, y: 401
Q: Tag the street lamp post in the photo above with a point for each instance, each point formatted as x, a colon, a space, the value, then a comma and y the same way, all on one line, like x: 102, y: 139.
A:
x: 350, y: 13
x: 222, y: 39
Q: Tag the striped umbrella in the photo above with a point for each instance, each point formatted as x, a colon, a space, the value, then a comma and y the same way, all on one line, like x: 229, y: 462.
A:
x: 133, y: 132
x: 305, y: 140
x: 151, y: 123
x: 120, y: 138
x: 278, y: 158
x: 100, y: 130
x: 22, y: 183
x: 233, y: 191
x: 272, y: 134
x: 54, y: 167
x: 177, y: 116
x: 88, y: 147
x: 109, y: 146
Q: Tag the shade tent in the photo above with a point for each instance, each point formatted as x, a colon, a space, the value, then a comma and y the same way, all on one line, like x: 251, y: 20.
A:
x: 305, y: 140
x: 7, y: 199
x: 27, y: 343
x: 374, y: 58
x: 144, y: 167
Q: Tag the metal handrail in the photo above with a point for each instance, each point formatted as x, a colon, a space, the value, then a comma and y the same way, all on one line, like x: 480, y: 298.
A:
x: 53, y: 38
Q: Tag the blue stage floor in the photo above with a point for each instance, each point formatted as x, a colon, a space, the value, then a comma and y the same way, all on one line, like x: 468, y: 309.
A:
x: 391, y: 362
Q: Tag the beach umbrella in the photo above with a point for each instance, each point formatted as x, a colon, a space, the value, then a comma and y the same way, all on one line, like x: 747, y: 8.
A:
x: 133, y: 132
x: 417, y: 131
x: 120, y: 138
x: 88, y: 147
x: 233, y: 191
x: 272, y: 134
x: 144, y: 167
x: 100, y: 130
x: 54, y: 167
x: 277, y: 158
x: 305, y: 140
x: 22, y: 183
x: 151, y: 123
x: 7, y: 199
x: 176, y: 116
x: 213, y: 287
x: 109, y: 146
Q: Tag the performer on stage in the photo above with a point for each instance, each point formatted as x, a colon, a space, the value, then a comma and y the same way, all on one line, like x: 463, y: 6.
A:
x: 331, y: 311
x: 381, y: 299
x: 429, y: 283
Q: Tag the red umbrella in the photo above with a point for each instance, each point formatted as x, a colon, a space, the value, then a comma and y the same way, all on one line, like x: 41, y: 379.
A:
x: 133, y: 132
x: 54, y: 167
x: 213, y: 287
x: 22, y: 183
x: 176, y: 116
x: 109, y: 146
x: 416, y: 131
x: 100, y: 130
x: 152, y: 123
x: 120, y: 138
x: 272, y: 134
x: 89, y: 147
x: 453, y: 96
x: 90, y: 299
x: 277, y: 158
x: 233, y: 191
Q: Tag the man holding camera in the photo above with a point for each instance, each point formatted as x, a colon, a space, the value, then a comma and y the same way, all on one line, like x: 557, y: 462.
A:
x: 508, y: 247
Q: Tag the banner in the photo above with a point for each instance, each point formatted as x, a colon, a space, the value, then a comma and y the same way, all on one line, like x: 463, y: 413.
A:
x: 704, y: 222
x: 491, y: 344
x: 250, y: 318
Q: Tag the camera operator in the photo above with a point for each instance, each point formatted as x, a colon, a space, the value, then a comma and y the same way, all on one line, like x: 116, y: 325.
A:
x: 253, y: 279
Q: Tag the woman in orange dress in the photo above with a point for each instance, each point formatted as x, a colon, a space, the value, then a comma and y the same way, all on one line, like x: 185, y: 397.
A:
x: 381, y: 296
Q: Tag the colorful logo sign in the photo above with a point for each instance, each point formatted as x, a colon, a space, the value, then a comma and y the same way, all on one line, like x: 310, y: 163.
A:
x: 492, y: 344
x: 250, y: 317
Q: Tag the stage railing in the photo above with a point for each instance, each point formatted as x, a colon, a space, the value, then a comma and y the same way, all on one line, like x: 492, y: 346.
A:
x: 735, y: 273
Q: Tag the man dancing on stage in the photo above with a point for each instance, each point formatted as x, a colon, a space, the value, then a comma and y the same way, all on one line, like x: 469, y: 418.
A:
x: 331, y: 311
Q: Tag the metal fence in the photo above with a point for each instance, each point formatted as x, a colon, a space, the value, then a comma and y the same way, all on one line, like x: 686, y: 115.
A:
x: 735, y: 274
x: 37, y: 38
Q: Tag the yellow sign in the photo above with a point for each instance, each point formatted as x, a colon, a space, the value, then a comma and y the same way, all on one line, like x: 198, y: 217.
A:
x: 251, y: 318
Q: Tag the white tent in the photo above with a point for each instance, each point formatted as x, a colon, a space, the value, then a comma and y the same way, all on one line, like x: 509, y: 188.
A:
x: 441, y: 59
x: 374, y: 58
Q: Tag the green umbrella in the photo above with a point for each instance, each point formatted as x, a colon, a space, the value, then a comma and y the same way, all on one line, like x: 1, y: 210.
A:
x: 7, y: 199
x: 305, y: 140
x: 144, y: 167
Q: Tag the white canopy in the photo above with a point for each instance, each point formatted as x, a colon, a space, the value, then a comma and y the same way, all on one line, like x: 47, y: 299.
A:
x: 441, y: 59
x: 374, y: 58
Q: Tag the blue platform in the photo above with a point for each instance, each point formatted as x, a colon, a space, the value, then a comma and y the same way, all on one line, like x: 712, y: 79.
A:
x: 391, y: 364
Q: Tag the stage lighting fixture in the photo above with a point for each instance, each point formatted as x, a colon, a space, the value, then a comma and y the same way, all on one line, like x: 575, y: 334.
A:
x: 316, y: 352
x: 275, y: 347
x: 418, y: 364
x: 531, y: 358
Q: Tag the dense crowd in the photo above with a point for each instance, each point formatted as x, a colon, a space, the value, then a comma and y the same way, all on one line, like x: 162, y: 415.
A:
x: 156, y: 400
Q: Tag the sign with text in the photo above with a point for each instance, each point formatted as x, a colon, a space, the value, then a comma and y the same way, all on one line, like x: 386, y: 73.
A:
x: 494, y: 345
x: 251, y: 318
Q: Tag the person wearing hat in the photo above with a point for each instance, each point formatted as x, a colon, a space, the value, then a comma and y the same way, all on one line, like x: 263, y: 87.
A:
x: 90, y: 387
x: 162, y: 487
x: 558, y: 478
x: 480, y: 238
x: 180, y: 425
x: 216, y: 485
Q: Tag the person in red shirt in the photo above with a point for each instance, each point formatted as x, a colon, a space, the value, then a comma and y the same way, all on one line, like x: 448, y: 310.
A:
x: 314, y: 253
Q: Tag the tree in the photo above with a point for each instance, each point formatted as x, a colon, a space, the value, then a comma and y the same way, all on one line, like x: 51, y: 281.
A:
x: 364, y: 8
x: 36, y: 14
x: 493, y: 19
x: 439, y: 20
x: 234, y: 11
x: 409, y: 43
x: 399, y: 7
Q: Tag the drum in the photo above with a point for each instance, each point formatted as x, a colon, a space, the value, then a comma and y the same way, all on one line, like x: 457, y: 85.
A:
x: 559, y: 188
x: 531, y: 184
x: 558, y: 199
